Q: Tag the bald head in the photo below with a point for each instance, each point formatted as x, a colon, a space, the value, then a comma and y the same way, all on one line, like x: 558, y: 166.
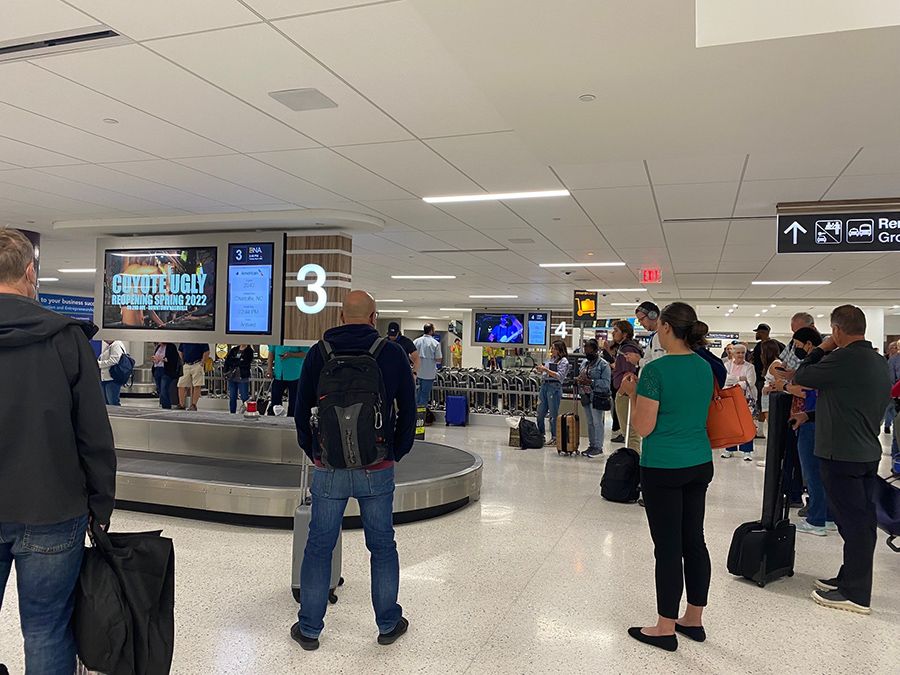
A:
x: 358, y: 307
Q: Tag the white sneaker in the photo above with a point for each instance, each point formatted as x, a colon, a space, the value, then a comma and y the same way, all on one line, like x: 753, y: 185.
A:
x: 804, y: 527
x: 831, y: 526
x: 727, y: 455
x: 761, y: 463
x: 748, y: 456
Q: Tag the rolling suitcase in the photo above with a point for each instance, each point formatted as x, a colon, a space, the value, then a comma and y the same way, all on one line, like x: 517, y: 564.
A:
x: 763, y: 550
x: 457, y: 412
x: 302, y: 517
x: 568, y: 431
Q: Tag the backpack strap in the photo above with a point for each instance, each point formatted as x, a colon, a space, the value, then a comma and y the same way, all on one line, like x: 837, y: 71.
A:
x: 326, y: 349
x: 376, y: 347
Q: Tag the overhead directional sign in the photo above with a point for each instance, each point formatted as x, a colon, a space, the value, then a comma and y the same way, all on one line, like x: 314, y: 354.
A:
x: 875, y: 232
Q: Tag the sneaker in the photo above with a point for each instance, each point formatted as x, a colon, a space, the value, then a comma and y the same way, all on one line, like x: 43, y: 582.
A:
x: 193, y: 407
x: 831, y: 526
x: 592, y: 452
x: 727, y: 455
x: 804, y: 512
x: 178, y: 407
x: 551, y: 442
x: 748, y: 456
x: 308, y: 643
x: 835, y: 600
x: 618, y: 439
x: 826, y: 585
x: 390, y: 638
x: 805, y: 528
x: 761, y: 463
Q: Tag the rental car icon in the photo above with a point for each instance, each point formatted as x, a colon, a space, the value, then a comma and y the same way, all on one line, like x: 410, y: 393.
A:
x: 860, y: 231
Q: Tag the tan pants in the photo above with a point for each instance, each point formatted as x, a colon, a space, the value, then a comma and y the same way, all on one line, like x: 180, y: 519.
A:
x: 634, y: 441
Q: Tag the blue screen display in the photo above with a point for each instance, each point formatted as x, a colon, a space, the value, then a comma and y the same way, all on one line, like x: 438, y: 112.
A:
x: 249, y: 307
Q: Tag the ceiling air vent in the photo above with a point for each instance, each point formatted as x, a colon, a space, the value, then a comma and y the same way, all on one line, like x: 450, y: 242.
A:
x: 521, y: 241
x: 58, y: 43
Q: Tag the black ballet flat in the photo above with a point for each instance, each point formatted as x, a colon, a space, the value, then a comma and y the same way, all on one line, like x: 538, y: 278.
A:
x: 667, y: 642
x: 695, y: 633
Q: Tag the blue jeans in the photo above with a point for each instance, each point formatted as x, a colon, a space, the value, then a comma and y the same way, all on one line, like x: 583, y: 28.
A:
x: 423, y: 396
x: 235, y: 388
x: 499, y: 360
x: 895, y: 450
x: 164, y: 387
x: 374, y: 490
x: 549, y: 398
x: 889, y: 416
x: 818, y: 511
x: 744, y: 447
x: 596, y: 430
x: 111, y: 391
x: 48, y: 559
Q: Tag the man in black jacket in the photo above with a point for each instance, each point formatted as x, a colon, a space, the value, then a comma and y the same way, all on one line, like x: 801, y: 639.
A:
x: 372, y: 486
x: 57, y: 459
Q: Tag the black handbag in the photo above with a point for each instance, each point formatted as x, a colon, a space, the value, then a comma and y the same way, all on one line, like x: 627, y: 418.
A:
x: 602, y: 400
x: 585, y: 399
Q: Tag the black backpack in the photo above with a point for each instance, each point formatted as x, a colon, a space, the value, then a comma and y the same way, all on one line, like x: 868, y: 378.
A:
x: 621, y: 477
x: 349, y: 422
x: 529, y: 436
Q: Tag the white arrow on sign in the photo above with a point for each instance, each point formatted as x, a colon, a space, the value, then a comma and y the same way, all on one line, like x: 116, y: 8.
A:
x: 794, y: 228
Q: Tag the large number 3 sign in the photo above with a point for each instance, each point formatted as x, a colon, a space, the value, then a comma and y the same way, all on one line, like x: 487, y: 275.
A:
x: 316, y: 285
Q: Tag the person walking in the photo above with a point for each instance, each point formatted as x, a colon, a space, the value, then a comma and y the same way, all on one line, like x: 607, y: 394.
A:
x: 623, y: 335
x: 193, y: 357
x: 284, y: 366
x: 57, y: 458
x: 394, y: 335
x: 456, y: 353
x: 371, y: 486
x: 669, y: 409
x: 854, y: 387
x: 237, y: 374
x: 429, y: 361
x: 165, y: 371
x: 893, y: 356
x: 594, y: 382
x: 553, y: 373
x: 110, y: 355
x: 743, y: 375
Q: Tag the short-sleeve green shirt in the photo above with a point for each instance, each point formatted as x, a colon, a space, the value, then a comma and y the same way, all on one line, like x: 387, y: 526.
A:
x: 287, y: 369
x: 683, y: 386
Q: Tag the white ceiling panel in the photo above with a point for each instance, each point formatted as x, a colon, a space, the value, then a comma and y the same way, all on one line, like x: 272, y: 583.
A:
x: 822, y: 162
x: 619, y: 206
x: 63, y: 187
x: 680, y: 170
x: 467, y: 239
x: 498, y: 162
x: 876, y: 159
x: 761, y: 251
x: 434, y: 97
x: 25, y: 210
x: 146, y: 20
x: 733, y: 281
x: 417, y: 214
x: 417, y: 241
x: 100, y: 176
x: 687, y: 253
x: 274, y: 9
x: 136, y: 76
x: 701, y: 200
x: 485, y: 215
x: 695, y: 267
x: 759, y: 197
x: 39, y: 131
x: 32, y: 88
x: 252, y: 61
x: 254, y: 174
x: 72, y: 207
x: 334, y: 172
x: 602, y: 175
x: 634, y: 236
x: 4, y: 166
x: 865, y: 187
x: 544, y: 212
x: 681, y: 235
x: 39, y: 17
x: 21, y: 154
x: 751, y: 233
x: 413, y: 166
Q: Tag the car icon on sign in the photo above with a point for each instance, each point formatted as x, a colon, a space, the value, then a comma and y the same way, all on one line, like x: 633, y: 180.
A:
x: 860, y: 231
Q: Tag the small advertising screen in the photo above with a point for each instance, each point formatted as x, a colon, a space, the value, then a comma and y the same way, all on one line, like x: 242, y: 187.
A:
x: 249, y: 305
x: 499, y: 328
x: 170, y: 288
x: 537, y: 328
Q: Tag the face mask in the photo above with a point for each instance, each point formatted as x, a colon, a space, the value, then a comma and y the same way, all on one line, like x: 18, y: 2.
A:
x: 591, y: 356
x: 799, y: 352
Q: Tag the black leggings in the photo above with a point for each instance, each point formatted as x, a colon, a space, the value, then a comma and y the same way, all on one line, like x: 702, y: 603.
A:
x: 675, y: 500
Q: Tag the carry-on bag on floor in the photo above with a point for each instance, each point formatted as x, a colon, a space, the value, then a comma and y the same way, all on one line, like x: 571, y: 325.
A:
x: 621, y: 477
x: 530, y: 438
x: 763, y: 550
x: 457, y: 412
x: 302, y: 517
x: 568, y: 431
x: 887, y: 508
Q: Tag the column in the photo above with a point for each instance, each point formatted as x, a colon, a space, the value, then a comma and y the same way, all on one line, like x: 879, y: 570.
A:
x: 875, y: 326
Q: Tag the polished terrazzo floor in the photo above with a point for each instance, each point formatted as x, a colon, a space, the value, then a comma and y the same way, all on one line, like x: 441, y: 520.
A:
x: 540, y: 576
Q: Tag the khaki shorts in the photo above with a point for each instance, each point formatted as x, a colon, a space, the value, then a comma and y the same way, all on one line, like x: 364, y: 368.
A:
x: 194, y: 376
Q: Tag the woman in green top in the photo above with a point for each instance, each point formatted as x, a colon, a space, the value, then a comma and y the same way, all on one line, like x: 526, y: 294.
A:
x: 668, y: 409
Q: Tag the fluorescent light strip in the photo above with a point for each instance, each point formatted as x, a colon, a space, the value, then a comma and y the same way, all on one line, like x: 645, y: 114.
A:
x: 388, y: 312
x: 377, y: 300
x: 47, y: 279
x: 455, y: 309
x: 505, y: 297
x: 622, y: 304
x: 790, y: 283
x: 422, y: 276
x: 592, y: 264
x: 75, y: 270
x: 616, y: 290
x: 496, y: 196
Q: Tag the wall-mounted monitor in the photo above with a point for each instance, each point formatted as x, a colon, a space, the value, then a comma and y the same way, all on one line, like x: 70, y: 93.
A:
x: 538, y: 328
x: 164, y: 288
x: 248, y: 306
x: 498, y: 328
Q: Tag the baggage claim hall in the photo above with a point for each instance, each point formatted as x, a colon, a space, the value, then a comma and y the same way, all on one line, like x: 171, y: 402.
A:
x: 640, y: 256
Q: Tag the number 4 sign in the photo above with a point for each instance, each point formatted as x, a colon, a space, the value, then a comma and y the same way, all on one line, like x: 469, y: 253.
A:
x: 561, y: 330
x: 317, y: 286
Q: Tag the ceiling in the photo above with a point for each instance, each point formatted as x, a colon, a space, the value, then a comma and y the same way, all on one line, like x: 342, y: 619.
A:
x: 438, y: 97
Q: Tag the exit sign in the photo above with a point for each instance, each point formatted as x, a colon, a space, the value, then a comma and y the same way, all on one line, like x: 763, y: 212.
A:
x: 651, y: 276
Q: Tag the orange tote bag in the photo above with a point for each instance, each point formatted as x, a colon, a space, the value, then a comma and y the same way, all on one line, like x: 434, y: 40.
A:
x: 729, y: 421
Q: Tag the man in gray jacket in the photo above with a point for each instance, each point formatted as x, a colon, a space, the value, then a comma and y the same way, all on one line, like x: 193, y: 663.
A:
x: 854, y: 389
x: 57, y: 460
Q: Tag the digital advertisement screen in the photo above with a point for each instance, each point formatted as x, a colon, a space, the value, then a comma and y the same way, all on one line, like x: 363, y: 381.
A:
x: 249, y: 305
x: 537, y: 328
x: 171, y: 288
x: 499, y: 328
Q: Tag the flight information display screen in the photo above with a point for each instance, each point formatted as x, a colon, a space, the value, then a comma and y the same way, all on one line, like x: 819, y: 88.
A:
x: 250, y: 286
x: 537, y: 328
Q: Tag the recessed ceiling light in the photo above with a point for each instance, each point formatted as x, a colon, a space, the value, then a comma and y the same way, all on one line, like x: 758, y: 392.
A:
x: 764, y: 311
x: 735, y: 306
x: 110, y: 120
x: 819, y: 316
x: 756, y: 314
x: 587, y: 98
x: 590, y: 254
x: 790, y: 283
x: 506, y: 297
x: 378, y: 300
x: 455, y: 309
x: 48, y: 279
x: 896, y: 307
x: 78, y: 270
x: 496, y: 196
x: 592, y: 264
x: 773, y: 305
x: 422, y: 276
x: 616, y: 290
x: 301, y: 100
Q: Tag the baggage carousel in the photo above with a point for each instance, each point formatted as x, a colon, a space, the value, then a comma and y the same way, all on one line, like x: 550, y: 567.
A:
x: 223, y: 467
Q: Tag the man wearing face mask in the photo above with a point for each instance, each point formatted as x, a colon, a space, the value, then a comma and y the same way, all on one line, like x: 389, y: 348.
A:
x: 57, y: 458
x: 594, y: 382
